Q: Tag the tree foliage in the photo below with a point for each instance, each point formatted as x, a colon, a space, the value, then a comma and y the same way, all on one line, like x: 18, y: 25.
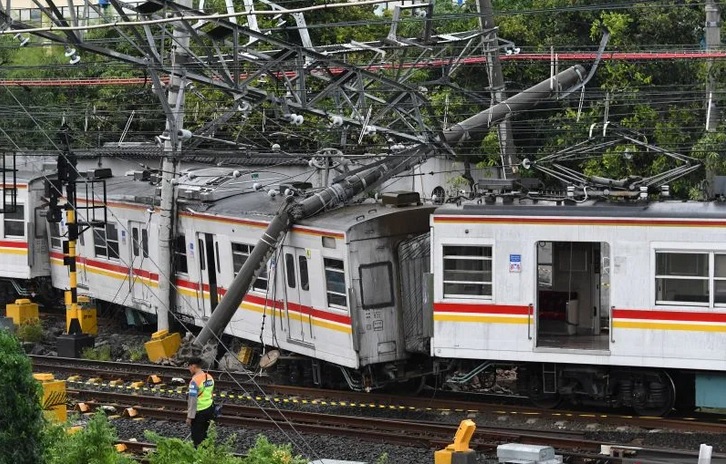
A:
x: 664, y: 100
x: 21, y: 419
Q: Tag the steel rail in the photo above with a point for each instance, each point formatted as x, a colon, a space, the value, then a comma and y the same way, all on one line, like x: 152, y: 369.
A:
x: 237, y: 387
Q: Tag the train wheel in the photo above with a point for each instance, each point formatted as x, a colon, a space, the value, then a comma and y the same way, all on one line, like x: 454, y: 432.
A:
x: 654, y: 395
x: 539, y: 398
x: 411, y: 386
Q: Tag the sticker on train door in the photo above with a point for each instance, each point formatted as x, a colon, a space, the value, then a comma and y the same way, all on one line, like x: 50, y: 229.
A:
x: 515, y: 263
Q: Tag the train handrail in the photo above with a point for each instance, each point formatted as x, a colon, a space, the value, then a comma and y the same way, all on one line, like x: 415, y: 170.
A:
x: 612, y: 336
x: 529, y: 321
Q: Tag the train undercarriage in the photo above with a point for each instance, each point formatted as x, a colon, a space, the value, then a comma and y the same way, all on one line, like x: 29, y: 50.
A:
x: 409, y: 377
x: 647, y: 392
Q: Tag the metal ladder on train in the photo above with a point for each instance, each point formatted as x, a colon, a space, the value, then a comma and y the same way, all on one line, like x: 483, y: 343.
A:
x: 549, y: 378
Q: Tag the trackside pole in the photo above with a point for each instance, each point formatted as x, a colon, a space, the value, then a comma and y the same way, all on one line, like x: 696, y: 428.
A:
x: 704, y: 454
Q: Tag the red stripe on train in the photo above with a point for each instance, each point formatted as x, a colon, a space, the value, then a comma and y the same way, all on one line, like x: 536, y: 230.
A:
x: 678, y: 316
x: 479, y: 308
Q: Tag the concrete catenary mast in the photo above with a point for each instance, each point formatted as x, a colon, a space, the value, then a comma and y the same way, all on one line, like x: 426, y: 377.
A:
x: 712, y: 39
x: 496, y: 84
x: 172, y: 141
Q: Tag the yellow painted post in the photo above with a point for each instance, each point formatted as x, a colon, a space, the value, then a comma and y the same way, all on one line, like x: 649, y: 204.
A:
x: 23, y: 310
x: 54, y: 397
x: 459, y: 451
x: 85, y: 313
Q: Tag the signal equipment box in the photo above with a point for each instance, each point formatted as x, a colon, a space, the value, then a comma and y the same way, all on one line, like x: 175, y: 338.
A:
x: 23, y: 310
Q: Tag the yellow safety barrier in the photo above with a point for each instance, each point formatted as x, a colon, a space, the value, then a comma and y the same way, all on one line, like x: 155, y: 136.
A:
x: 459, y: 451
x: 162, y: 345
x: 54, y: 397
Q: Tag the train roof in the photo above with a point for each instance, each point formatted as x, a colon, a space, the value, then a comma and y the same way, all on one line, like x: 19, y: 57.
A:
x: 217, y: 192
x: 259, y: 205
x: 26, y: 176
x: 655, y: 209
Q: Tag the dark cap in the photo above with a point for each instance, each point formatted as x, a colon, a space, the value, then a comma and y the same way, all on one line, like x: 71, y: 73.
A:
x: 194, y: 360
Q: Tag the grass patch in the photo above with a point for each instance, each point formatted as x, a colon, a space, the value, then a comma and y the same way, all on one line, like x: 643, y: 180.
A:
x: 30, y: 331
x: 137, y: 353
x: 101, y: 353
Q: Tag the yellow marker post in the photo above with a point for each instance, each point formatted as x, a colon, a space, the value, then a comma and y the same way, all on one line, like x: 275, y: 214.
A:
x: 22, y: 311
x: 163, y: 345
x: 459, y: 451
x: 54, y: 397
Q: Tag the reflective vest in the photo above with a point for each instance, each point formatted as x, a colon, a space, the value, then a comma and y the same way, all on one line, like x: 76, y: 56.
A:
x: 201, y: 386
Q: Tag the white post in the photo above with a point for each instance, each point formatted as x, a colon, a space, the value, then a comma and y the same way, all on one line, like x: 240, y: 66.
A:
x: 704, y: 454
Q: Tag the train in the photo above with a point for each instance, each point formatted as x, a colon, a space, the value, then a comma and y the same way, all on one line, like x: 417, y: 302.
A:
x: 618, y: 304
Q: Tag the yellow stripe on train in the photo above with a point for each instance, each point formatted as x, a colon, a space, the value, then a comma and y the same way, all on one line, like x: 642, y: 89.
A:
x: 695, y: 327
x: 247, y: 306
x: 113, y: 274
x: 13, y: 251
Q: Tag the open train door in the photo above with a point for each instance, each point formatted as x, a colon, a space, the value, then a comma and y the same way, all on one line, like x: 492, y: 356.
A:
x: 572, y: 287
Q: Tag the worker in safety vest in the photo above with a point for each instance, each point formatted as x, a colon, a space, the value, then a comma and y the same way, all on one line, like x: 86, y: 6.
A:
x: 201, y: 404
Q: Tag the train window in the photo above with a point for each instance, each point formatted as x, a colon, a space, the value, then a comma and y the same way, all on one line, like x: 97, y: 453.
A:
x: 682, y: 278
x: 329, y: 242
x: 135, y: 241
x: 180, y: 254
x: 14, y: 222
x: 105, y: 240
x: 56, y: 241
x: 240, y: 253
x: 145, y: 242
x: 719, y: 279
x: 376, y: 285
x: 335, y: 283
x: 216, y: 252
x: 304, y: 279
x: 544, y: 264
x: 467, y: 271
x: 202, y: 256
x: 290, y: 269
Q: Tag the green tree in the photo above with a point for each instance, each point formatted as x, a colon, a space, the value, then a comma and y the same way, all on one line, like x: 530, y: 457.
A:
x: 21, y: 417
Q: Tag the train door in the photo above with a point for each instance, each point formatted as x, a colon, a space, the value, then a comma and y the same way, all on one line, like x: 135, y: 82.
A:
x: 209, y: 269
x: 141, y: 265
x: 38, y: 247
x: 298, y: 308
x: 570, y: 294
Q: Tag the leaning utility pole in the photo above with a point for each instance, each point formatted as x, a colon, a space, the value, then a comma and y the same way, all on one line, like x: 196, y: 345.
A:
x: 171, y: 150
x: 713, y: 42
x: 472, y: 128
x: 496, y: 86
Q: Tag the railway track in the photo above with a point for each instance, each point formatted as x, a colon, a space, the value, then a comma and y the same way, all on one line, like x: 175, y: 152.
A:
x: 239, y: 388
x: 428, y: 435
x: 390, y: 431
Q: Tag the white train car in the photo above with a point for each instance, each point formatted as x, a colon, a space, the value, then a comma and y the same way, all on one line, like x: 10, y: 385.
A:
x: 25, y: 268
x: 615, y: 304
x: 329, y: 294
x: 116, y: 262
